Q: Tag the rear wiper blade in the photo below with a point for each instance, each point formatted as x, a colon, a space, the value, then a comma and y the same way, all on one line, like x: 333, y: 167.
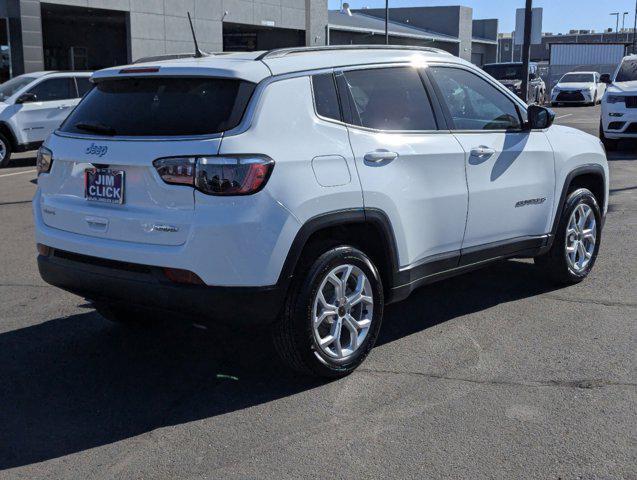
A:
x: 96, y: 128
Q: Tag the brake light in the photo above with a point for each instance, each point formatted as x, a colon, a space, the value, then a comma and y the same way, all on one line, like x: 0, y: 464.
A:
x: 44, y: 160
x: 223, y: 175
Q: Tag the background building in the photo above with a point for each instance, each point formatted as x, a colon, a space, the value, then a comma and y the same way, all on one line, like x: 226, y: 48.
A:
x: 450, y: 28
x: 91, y: 34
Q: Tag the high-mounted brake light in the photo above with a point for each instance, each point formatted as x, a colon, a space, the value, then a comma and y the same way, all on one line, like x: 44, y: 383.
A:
x: 140, y: 70
x: 223, y: 175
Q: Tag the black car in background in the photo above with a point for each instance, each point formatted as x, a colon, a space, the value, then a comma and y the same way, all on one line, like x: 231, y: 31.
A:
x: 510, y: 74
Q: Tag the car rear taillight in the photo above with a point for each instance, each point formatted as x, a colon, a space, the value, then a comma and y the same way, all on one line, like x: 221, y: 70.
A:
x: 222, y: 175
x: 44, y: 160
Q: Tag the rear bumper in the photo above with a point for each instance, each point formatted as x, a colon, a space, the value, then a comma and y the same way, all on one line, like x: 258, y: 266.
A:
x: 147, y: 287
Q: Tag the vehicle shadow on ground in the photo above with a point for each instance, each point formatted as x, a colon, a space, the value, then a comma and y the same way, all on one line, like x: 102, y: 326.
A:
x: 74, y: 383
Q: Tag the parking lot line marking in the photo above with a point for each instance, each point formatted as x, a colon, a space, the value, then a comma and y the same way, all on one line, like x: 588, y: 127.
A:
x: 564, y: 116
x: 17, y: 173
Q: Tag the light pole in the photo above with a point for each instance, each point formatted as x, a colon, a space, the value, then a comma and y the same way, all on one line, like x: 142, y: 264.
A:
x: 624, y: 24
x: 386, y: 22
x: 635, y: 28
x: 526, y: 49
x: 616, y: 24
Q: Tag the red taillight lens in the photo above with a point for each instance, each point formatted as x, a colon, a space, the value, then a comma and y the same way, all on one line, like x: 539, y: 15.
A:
x: 237, y: 175
x: 177, y: 170
x: 232, y: 175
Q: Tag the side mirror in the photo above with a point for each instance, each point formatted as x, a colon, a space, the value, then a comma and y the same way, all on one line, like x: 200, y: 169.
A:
x: 27, y: 98
x: 605, y: 78
x: 540, y: 117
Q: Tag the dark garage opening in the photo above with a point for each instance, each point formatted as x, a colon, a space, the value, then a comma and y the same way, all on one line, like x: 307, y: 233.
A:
x: 242, y: 38
x: 78, y: 38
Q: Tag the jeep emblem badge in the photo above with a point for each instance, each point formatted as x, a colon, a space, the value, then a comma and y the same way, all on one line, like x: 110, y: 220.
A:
x: 99, y: 150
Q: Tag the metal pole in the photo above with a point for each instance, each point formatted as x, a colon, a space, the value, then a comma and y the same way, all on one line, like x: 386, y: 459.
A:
x: 526, y: 50
x: 635, y: 28
x: 386, y: 22
x: 616, y: 24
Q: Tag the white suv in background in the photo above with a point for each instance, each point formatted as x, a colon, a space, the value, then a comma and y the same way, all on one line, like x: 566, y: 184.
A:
x: 33, y: 105
x: 307, y: 188
x: 619, y: 105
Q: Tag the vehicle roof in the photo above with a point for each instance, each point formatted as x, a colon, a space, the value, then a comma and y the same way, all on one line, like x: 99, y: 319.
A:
x: 57, y: 73
x: 586, y: 73
x: 255, y: 66
x: 516, y: 64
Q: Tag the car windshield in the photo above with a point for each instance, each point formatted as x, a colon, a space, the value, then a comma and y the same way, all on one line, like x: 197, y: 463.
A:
x: 504, y: 72
x: 577, y: 78
x: 161, y: 107
x: 10, y: 87
x: 627, y: 72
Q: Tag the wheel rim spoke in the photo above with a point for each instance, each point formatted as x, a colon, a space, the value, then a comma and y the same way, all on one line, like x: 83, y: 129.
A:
x: 581, y: 236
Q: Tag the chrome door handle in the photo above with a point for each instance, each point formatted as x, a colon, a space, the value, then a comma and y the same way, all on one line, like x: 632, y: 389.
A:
x: 378, y: 156
x: 482, y: 151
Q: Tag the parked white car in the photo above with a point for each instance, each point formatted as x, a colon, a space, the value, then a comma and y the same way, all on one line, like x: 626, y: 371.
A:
x: 578, y: 87
x: 307, y: 188
x: 33, y: 105
x: 619, y: 105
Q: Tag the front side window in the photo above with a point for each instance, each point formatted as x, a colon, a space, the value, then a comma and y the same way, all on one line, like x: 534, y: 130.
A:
x: 473, y: 103
x: 54, y: 89
x: 390, y: 99
x: 83, y: 85
x: 161, y: 106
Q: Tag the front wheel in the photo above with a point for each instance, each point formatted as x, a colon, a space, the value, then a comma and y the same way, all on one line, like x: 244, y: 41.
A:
x: 5, y: 151
x: 576, y: 243
x: 332, y: 315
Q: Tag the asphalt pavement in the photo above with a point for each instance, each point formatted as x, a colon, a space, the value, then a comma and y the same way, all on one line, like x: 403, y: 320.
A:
x: 494, y: 374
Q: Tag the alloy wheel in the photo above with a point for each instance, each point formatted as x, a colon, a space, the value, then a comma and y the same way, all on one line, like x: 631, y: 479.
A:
x: 342, y: 311
x: 581, y: 237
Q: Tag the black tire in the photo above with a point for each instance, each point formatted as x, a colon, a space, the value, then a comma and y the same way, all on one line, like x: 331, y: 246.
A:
x: 294, y: 336
x: 124, y: 315
x: 555, y: 262
x: 609, y: 144
x: 5, y: 145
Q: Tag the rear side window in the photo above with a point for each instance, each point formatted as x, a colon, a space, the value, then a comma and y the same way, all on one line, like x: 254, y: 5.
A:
x: 54, y: 89
x: 390, y: 99
x: 83, y: 85
x: 161, y: 107
x: 325, y: 96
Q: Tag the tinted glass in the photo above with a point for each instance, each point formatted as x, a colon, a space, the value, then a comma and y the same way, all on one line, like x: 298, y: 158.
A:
x: 390, y: 99
x: 473, y: 103
x: 162, y: 106
x: 578, y: 78
x: 54, y: 89
x: 627, y: 72
x: 325, y: 96
x: 10, y: 87
x: 83, y: 85
x: 504, y: 72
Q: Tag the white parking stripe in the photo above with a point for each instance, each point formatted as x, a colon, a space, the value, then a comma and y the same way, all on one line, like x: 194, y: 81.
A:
x: 17, y: 173
x: 564, y: 116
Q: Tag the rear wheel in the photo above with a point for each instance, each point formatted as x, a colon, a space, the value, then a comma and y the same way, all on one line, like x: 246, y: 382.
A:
x: 332, y: 315
x: 5, y: 151
x: 609, y: 143
x: 576, y: 241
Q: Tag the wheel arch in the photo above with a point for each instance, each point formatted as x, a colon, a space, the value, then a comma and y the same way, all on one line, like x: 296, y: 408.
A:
x: 6, y: 130
x: 369, y: 230
x: 590, y: 176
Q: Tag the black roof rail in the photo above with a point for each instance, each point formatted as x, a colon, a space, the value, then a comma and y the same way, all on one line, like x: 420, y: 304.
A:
x: 281, y: 52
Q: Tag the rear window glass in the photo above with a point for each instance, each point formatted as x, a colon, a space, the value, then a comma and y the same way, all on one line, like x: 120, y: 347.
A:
x: 325, y: 96
x: 161, y: 107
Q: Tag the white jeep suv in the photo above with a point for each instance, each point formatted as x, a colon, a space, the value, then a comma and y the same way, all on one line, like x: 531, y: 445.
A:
x: 33, y: 105
x: 619, y: 105
x: 307, y: 189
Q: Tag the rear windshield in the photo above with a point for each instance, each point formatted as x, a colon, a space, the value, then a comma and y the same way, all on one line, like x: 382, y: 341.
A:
x: 161, y: 107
